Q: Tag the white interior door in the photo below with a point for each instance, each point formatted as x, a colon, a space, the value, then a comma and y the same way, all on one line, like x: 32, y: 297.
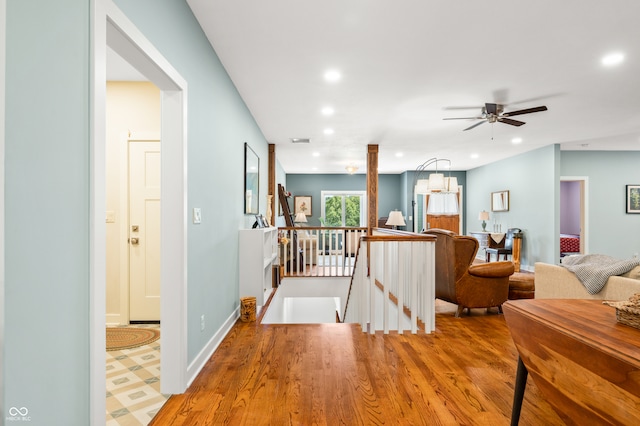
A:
x: 144, y: 230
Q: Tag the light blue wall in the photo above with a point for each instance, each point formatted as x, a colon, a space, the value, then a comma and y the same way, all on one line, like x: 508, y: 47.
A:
x: 611, y: 230
x: 47, y: 307
x: 46, y: 364
x: 389, y: 193
x: 532, y: 180
x: 219, y: 124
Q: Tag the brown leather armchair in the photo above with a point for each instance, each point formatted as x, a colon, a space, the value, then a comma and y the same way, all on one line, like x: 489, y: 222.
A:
x: 458, y: 281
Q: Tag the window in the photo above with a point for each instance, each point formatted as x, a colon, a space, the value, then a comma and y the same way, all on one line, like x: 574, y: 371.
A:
x: 343, y: 208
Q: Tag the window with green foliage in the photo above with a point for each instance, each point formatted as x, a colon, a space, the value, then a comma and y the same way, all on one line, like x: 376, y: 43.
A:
x: 342, y: 208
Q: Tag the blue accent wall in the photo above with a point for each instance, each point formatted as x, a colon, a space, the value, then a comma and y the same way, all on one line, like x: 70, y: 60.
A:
x: 389, y: 190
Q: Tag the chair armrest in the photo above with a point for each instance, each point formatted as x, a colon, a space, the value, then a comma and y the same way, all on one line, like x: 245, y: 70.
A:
x: 492, y: 269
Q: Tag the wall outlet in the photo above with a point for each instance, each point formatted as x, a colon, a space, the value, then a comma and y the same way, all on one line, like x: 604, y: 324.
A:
x: 202, y: 323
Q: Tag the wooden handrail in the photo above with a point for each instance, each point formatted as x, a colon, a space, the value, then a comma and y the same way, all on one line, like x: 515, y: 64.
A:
x: 417, y: 237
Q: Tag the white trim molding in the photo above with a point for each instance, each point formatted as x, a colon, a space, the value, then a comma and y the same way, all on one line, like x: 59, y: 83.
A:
x: 110, y: 27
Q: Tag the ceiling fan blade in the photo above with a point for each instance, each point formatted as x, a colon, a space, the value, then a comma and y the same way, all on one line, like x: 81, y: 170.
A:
x: 463, y: 118
x: 475, y: 125
x: 491, y: 108
x: 524, y: 111
x: 510, y: 121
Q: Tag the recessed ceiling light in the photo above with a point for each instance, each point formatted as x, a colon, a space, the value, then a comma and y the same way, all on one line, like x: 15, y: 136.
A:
x: 516, y: 141
x: 316, y: 154
x: 475, y: 155
x: 328, y: 131
x: 612, y: 59
x: 399, y: 154
x: 332, y: 76
x: 327, y: 111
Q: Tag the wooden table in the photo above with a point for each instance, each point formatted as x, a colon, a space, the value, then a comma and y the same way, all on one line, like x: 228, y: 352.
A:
x: 584, y: 363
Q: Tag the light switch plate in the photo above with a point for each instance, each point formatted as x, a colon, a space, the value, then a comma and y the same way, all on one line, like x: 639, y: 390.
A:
x: 197, y: 215
x: 111, y: 216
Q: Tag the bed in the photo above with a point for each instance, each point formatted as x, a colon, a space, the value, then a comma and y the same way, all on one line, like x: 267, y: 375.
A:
x: 569, y: 244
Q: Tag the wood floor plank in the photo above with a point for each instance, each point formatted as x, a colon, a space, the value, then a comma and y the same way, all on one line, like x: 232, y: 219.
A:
x: 334, y: 374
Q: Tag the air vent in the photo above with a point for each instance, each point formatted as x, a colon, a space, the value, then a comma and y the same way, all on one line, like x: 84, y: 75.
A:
x: 300, y: 140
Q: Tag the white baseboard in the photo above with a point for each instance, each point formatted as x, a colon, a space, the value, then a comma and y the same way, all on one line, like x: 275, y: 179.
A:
x: 112, y: 320
x: 201, y: 359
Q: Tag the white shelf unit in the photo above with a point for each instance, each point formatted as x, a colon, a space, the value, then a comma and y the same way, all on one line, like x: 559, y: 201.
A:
x: 258, y: 254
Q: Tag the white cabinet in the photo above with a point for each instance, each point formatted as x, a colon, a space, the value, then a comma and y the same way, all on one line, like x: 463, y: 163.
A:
x: 258, y: 254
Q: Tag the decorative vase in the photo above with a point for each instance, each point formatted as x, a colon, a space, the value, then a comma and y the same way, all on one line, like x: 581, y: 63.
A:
x: 269, y: 209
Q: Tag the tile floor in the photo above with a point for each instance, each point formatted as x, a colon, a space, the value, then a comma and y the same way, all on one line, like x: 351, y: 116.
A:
x: 133, y: 384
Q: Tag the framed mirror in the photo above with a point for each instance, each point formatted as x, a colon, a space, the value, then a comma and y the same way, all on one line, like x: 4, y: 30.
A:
x: 500, y: 201
x: 251, y: 180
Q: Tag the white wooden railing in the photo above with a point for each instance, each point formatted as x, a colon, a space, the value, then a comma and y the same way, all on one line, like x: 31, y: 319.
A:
x: 321, y: 251
x: 393, y: 285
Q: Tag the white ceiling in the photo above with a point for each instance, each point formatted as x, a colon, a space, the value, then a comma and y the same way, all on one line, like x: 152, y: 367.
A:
x: 403, y: 62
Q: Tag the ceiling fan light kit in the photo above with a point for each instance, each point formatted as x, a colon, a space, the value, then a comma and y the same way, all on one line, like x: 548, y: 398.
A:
x: 492, y: 113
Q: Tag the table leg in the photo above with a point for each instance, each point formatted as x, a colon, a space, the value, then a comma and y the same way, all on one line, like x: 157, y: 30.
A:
x: 518, y: 393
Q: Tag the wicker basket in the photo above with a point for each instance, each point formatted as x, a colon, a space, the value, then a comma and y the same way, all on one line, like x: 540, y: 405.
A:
x: 627, y: 312
x: 247, y: 309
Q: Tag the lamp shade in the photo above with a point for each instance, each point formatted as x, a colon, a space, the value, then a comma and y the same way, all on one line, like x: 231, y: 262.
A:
x: 422, y: 186
x: 436, y: 182
x: 484, y: 215
x: 451, y: 184
x: 300, y: 218
x: 395, y: 219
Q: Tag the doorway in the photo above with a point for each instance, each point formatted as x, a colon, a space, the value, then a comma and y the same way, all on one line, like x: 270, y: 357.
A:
x: 447, y: 212
x: 113, y: 29
x: 574, y: 236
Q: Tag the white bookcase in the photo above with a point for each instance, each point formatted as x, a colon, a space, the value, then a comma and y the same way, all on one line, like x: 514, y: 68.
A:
x: 258, y: 254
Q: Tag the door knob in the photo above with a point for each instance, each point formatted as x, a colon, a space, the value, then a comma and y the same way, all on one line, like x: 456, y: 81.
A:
x: 134, y: 241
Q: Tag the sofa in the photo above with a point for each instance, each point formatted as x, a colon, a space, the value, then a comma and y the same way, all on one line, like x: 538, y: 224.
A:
x: 458, y: 281
x: 556, y: 282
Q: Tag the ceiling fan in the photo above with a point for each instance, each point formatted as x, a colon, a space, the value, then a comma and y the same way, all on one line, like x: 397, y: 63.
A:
x: 492, y: 113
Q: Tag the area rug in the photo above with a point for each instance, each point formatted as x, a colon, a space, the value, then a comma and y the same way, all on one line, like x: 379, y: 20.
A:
x: 119, y: 338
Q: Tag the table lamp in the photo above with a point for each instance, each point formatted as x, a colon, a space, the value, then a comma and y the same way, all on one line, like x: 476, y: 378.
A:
x: 300, y: 218
x: 395, y: 219
x: 484, y: 216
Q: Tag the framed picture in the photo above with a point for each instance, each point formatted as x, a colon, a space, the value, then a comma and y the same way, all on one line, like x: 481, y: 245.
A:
x: 633, y: 198
x: 260, y: 222
x: 302, y: 204
x: 500, y: 201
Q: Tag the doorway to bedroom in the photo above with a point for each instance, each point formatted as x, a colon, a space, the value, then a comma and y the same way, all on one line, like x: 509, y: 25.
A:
x: 573, y: 215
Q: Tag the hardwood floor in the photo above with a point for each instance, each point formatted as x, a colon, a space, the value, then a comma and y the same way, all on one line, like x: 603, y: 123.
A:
x: 334, y: 374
